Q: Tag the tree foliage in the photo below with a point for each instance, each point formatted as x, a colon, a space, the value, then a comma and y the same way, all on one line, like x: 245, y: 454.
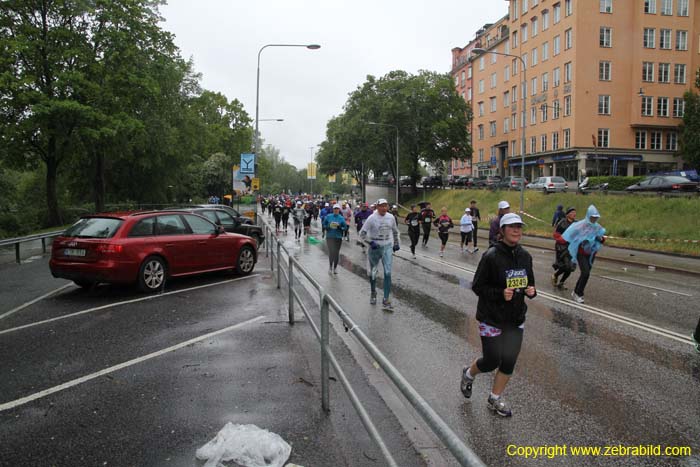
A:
x: 690, y: 128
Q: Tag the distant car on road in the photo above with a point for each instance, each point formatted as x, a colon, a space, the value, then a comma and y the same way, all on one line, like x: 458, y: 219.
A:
x: 511, y: 183
x: 549, y: 185
x: 432, y: 181
x: 405, y: 180
x: 464, y: 182
x: 147, y: 248
x: 237, y: 215
x: 664, y: 183
x: 489, y: 182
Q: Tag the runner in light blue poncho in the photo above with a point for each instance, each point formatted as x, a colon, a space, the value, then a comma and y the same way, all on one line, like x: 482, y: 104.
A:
x: 585, y: 234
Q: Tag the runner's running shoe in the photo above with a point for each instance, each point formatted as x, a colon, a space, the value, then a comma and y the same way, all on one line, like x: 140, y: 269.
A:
x: 554, y: 280
x: 373, y: 298
x: 386, y: 304
x: 466, y: 384
x: 576, y: 298
x: 499, y: 406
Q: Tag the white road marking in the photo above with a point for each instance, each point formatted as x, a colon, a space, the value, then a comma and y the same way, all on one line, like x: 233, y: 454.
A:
x: 32, y: 302
x: 112, y: 369
x: 596, y: 311
x: 645, y: 286
x: 111, y: 305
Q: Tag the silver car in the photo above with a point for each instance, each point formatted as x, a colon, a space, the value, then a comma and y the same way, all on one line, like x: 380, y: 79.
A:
x: 549, y: 185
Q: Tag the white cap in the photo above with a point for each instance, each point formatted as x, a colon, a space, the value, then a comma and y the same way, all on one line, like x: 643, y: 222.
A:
x: 503, y: 205
x: 336, y: 206
x: 326, y: 204
x: 382, y: 201
x: 511, y: 218
x: 467, y: 210
x: 298, y: 202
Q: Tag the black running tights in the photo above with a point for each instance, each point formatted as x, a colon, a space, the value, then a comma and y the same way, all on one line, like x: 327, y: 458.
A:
x: 501, y: 351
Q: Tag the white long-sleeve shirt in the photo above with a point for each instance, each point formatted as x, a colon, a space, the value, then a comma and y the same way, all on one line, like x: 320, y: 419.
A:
x: 381, y: 229
x: 465, y: 224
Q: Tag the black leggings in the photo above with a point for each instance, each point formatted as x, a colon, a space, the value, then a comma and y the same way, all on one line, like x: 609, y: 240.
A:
x: 466, y: 238
x: 501, y: 351
x: 697, y: 331
x: 285, y: 221
x: 443, y: 237
x: 474, y: 231
x: 333, y: 245
x: 585, y: 265
x: 426, y: 233
x: 414, y: 235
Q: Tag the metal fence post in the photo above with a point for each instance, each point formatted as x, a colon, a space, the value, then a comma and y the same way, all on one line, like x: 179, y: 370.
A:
x: 272, y: 259
x: 279, y: 271
x: 43, y: 245
x: 291, y: 285
x: 17, y: 258
x: 324, y: 356
x: 267, y: 243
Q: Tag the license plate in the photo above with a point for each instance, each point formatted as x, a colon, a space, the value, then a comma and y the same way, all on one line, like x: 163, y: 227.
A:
x: 74, y: 252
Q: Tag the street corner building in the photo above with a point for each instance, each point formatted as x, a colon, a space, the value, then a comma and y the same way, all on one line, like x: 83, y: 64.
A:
x: 601, y: 92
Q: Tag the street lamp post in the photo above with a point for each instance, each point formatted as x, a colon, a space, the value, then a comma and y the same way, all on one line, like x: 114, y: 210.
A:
x: 256, y: 142
x: 397, y: 154
x: 480, y: 51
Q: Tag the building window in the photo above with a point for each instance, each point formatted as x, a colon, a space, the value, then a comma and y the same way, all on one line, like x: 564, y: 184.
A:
x: 544, y: 113
x: 555, y: 140
x: 545, y: 51
x: 506, y: 47
x: 603, y: 105
x: 664, y: 72
x: 556, y: 13
x: 606, y: 6
x: 667, y: 7
x: 482, y: 62
x: 567, y: 72
x: 469, y: 72
x: 665, y: 39
x: 533, y: 116
x: 515, y: 39
x: 640, y: 139
x: 568, y: 7
x: 567, y: 106
x: 545, y: 20
x: 555, y: 109
x: 545, y: 82
x: 655, y: 141
x: 493, y: 104
x: 481, y: 155
x: 605, y: 36
x: 514, y: 94
x: 493, y: 80
x: 534, y: 56
x: 492, y: 128
x: 568, y: 39
x: 506, y: 99
x: 533, y: 88
x: 567, y: 138
x: 514, y: 66
x: 515, y: 9
x: 681, y: 40
x: 604, y: 71
x: 525, y: 58
x: 556, y: 77
x: 649, y: 40
x: 463, y: 78
x: 481, y: 86
x: 556, y: 45
x: 523, y: 33
x: 524, y: 10
x: 650, y: 7
x: 647, y: 106
x: 648, y: 72
x: 469, y: 94
x: 514, y: 121
x: 682, y: 7
x: 481, y: 109
x: 671, y: 141
x: 535, y: 25
x: 533, y: 144
x: 543, y: 142
x: 494, y: 57
x: 506, y: 125
x: 481, y: 132
x: 603, y: 137
x: 506, y: 74
x: 662, y: 106
x: 678, y: 107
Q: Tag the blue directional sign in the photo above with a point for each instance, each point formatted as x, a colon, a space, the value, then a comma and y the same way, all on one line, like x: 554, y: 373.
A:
x: 493, y: 160
x: 248, y: 164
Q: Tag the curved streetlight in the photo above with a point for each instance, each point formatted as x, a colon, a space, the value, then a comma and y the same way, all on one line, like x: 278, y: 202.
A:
x: 477, y: 51
x: 397, y: 154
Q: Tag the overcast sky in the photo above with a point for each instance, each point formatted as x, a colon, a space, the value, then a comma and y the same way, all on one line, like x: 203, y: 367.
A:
x: 308, y: 87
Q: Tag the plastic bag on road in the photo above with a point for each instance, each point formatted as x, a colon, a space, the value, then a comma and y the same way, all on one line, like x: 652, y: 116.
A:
x: 246, y: 445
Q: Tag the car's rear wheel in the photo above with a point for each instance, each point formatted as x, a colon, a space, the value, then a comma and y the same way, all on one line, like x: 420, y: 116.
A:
x: 246, y: 260
x: 152, y: 274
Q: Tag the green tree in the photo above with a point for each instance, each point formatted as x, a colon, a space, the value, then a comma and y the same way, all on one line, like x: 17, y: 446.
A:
x: 690, y: 128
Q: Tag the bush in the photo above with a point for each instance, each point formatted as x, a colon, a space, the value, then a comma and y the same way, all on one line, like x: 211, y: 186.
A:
x: 615, y: 183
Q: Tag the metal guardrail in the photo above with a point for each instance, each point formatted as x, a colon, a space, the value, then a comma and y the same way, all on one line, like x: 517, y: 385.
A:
x: 463, y: 454
x: 30, y: 238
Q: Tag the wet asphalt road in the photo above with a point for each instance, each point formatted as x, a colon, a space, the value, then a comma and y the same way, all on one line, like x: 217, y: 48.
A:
x: 582, y: 379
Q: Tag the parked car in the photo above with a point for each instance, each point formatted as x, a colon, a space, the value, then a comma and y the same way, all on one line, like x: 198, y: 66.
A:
x: 405, y: 180
x: 549, y: 185
x: 432, y: 181
x: 237, y: 215
x: 464, y: 181
x: 223, y: 217
x: 488, y: 182
x: 664, y: 183
x: 147, y: 248
x: 512, y: 183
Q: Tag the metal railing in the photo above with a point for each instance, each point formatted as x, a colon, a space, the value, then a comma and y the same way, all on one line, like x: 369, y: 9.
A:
x: 30, y: 238
x: 463, y: 454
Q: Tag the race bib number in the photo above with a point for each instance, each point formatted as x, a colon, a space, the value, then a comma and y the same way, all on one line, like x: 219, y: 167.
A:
x: 516, y: 279
x: 444, y: 223
x: 428, y: 220
x: 333, y: 225
x: 414, y: 222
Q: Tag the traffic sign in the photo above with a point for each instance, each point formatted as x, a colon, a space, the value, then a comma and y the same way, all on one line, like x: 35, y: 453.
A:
x: 493, y: 160
x: 540, y: 161
x: 248, y: 164
x: 255, y: 184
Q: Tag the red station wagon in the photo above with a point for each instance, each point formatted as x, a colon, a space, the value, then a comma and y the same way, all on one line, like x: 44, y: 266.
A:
x: 147, y: 248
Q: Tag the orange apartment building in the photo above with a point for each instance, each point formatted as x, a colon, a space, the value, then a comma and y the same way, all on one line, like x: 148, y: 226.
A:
x: 602, y: 91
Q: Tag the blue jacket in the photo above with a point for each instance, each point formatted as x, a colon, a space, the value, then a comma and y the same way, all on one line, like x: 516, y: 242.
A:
x: 335, y: 225
x: 324, y: 212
